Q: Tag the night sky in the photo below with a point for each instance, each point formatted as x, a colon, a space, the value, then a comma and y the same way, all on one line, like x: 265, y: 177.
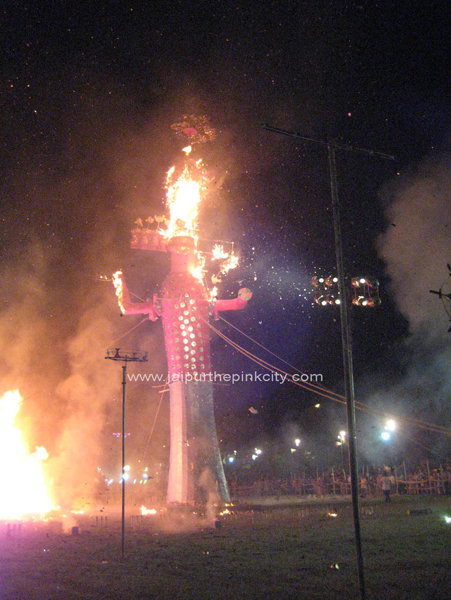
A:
x: 88, y: 97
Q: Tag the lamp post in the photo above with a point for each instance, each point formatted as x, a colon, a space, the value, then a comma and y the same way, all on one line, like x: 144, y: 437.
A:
x: 124, y: 357
x: 348, y: 371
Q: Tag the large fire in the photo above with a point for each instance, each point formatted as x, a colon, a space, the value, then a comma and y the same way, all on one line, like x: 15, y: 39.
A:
x: 184, y: 194
x: 24, y: 491
x: 186, y: 185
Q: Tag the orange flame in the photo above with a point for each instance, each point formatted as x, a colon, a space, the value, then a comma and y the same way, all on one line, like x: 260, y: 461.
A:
x: 230, y: 261
x: 218, y: 252
x: 117, y: 281
x: 198, y: 271
x: 24, y: 492
x: 183, y: 199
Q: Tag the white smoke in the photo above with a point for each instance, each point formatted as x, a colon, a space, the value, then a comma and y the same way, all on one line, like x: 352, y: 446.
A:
x: 416, y: 249
x: 417, y: 245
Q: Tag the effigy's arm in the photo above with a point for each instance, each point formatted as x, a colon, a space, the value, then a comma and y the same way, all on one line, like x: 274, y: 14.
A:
x: 133, y: 308
x: 238, y: 303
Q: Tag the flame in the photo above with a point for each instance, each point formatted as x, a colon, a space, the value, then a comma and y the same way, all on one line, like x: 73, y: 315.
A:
x: 213, y: 294
x: 198, y: 271
x: 230, y: 263
x: 117, y: 281
x: 183, y: 198
x: 218, y: 252
x: 24, y: 491
x: 229, y: 258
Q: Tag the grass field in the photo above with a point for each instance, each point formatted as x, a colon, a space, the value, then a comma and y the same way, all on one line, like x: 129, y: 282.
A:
x: 259, y: 553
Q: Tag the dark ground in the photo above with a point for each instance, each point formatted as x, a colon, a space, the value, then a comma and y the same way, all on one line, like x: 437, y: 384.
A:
x: 260, y: 552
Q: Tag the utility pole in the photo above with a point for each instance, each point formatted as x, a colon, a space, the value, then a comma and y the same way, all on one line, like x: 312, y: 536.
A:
x: 332, y: 147
x: 125, y: 357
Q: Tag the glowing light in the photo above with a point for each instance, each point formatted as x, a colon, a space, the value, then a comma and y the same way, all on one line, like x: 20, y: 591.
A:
x: 448, y: 520
x: 297, y: 442
x: 148, y: 511
x: 24, y: 491
x: 385, y: 436
x: 341, y: 438
x: 390, y: 425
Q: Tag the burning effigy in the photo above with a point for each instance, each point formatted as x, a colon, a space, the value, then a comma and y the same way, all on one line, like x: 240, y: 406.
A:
x: 184, y: 304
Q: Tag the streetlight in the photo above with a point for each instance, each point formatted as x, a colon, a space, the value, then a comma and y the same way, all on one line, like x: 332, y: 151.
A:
x: 125, y: 357
x: 389, y: 427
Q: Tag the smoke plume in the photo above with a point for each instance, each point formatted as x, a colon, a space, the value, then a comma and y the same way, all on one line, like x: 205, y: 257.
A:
x: 416, y: 249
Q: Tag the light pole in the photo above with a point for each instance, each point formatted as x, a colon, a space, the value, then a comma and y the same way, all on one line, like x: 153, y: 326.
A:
x: 332, y: 148
x: 125, y: 357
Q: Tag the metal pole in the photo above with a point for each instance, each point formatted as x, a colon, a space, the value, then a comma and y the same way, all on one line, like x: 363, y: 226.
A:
x: 124, y: 370
x: 332, y: 147
x: 347, y: 366
x: 343, y: 458
x: 125, y: 357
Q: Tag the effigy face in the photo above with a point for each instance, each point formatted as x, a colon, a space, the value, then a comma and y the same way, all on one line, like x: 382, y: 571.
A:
x: 186, y: 333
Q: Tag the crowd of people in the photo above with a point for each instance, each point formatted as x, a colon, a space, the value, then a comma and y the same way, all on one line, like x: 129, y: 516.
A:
x: 372, y: 482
